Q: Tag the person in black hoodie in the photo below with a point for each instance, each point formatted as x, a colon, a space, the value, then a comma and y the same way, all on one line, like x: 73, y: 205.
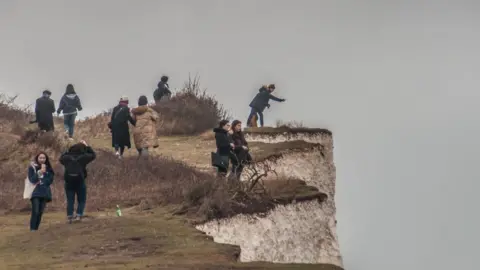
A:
x: 44, y: 110
x: 75, y: 161
x: 119, y: 126
x: 224, y: 144
x: 69, y: 104
x: 163, y: 90
x: 260, y: 102
x: 241, y: 150
x: 40, y: 173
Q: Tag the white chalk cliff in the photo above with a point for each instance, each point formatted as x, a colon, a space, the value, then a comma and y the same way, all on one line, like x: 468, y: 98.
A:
x: 302, y: 232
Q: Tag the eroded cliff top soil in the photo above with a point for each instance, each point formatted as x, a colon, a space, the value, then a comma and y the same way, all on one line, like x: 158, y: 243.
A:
x: 284, y: 129
x: 263, y: 151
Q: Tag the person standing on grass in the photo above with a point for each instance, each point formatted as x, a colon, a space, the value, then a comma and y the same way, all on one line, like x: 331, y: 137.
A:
x: 260, y: 102
x: 75, y: 161
x: 163, y: 90
x: 40, y: 173
x: 44, y: 110
x: 224, y: 145
x: 241, y: 151
x: 119, y: 126
x: 145, y: 130
x: 69, y: 104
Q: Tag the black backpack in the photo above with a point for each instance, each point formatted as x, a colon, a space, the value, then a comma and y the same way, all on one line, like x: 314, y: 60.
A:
x: 74, y: 171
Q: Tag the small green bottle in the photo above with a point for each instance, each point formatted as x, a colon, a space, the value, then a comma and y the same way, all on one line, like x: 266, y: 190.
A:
x: 119, y: 212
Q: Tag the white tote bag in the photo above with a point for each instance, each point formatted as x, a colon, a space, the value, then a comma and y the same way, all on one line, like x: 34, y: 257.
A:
x: 28, y: 189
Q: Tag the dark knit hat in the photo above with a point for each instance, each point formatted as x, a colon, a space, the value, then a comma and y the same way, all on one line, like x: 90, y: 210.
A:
x: 47, y: 92
x: 142, y: 100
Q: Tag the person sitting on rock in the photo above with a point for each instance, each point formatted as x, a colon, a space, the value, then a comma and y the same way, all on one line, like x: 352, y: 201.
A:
x: 44, y: 110
x: 145, y: 130
x: 241, y: 150
x: 260, y: 102
x: 163, y: 90
x: 119, y: 126
x: 75, y: 161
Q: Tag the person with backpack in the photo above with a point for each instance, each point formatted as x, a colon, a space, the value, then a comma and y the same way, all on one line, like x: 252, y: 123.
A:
x: 40, y: 174
x: 69, y: 104
x: 163, y: 90
x: 260, y: 102
x: 224, y: 145
x: 75, y: 161
x: 145, y: 130
x: 119, y: 127
x: 44, y: 110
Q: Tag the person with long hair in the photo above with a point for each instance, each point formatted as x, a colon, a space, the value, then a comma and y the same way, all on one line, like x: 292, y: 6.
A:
x: 69, y: 104
x: 224, y: 144
x: 40, y: 174
x: 241, y: 150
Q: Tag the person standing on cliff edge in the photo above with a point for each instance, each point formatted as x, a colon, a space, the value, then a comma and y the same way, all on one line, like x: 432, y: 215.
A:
x: 260, y: 102
x: 163, y: 90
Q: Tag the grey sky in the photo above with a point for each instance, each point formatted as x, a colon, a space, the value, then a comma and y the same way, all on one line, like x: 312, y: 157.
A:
x: 396, y: 81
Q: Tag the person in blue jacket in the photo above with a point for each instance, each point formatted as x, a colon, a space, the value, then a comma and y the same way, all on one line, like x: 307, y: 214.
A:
x: 40, y: 173
x: 260, y: 102
x: 69, y: 104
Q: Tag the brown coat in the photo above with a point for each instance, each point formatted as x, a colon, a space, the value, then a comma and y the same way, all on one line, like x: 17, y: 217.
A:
x: 145, y: 130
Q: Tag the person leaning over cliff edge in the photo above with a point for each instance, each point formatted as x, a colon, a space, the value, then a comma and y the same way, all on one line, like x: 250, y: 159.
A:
x: 75, y: 161
x: 145, y: 130
x: 163, y: 90
x: 119, y: 126
x: 44, y: 110
x: 224, y: 145
x: 40, y: 174
x: 260, y: 102
x: 69, y: 104
x: 241, y: 150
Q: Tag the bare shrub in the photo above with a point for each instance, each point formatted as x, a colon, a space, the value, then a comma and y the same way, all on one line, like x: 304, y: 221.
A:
x: 13, y: 118
x: 190, y: 111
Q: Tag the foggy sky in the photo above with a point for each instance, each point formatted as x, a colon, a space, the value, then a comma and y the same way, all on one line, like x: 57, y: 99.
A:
x: 396, y: 82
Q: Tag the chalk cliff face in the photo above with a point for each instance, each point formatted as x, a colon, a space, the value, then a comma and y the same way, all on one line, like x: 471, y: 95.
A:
x: 303, y: 232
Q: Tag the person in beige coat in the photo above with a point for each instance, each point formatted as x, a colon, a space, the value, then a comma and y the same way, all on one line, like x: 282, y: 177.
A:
x: 145, y: 130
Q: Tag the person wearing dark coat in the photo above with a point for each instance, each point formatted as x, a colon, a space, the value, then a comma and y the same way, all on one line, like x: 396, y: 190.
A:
x: 224, y: 143
x: 241, y: 150
x: 163, y: 90
x: 77, y: 157
x: 40, y: 173
x: 119, y: 127
x: 44, y: 110
x: 260, y: 102
x: 69, y: 104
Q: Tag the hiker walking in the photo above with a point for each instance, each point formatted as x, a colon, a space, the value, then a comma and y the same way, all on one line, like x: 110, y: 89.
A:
x: 224, y: 145
x: 260, y: 102
x: 40, y: 174
x: 145, y: 130
x: 162, y: 92
x: 75, y: 161
x: 119, y: 126
x: 69, y: 104
x: 44, y: 110
x: 241, y: 150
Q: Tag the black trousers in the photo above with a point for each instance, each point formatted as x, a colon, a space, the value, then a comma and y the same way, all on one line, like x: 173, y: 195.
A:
x: 38, y: 206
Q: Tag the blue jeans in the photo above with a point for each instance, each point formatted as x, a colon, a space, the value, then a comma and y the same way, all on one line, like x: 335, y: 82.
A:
x: 38, y: 205
x: 79, y: 190
x: 69, y: 123
x: 255, y: 112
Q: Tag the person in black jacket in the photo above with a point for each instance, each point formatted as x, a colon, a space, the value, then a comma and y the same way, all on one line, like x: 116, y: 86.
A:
x: 260, y: 102
x: 163, y: 90
x: 119, y: 126
x: 44, y: 110
x: 69, y: 104
x: 224, y: 143
x: 75, y: 161
x: 241, y: 150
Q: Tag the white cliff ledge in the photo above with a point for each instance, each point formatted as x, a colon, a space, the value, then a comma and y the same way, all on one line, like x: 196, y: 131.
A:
x: 302, y: 232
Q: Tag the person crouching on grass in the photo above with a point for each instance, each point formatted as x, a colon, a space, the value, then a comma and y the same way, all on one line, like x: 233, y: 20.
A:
x: 40, y: 173
x: 75, y: 161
